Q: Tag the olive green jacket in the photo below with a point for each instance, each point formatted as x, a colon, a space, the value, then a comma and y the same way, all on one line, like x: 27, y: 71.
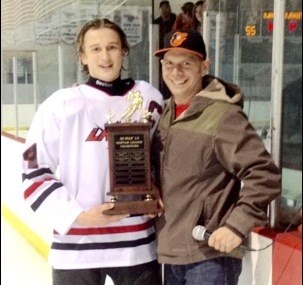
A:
x: 215, y: 171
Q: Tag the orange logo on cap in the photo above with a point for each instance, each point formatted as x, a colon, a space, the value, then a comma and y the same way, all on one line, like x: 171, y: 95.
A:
x: 178, y: 38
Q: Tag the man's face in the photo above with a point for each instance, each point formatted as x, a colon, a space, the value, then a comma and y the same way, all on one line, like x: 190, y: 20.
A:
x: 165, y: 10
x: 183, y: 74
x: 103, y: 54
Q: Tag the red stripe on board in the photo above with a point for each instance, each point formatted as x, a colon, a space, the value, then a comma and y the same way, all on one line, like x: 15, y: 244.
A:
x: 12, y: 137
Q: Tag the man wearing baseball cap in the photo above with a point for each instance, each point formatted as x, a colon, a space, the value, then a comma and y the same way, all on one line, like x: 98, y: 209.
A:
x: 215, y: 172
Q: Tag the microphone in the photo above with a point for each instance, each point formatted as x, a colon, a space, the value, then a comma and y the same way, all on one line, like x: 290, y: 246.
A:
x: 200, y: 233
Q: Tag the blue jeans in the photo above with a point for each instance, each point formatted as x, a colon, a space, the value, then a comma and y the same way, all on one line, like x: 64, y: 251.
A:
x: 217, y: 271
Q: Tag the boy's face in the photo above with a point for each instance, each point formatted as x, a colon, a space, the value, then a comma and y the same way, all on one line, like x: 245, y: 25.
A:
x: 103, y: 54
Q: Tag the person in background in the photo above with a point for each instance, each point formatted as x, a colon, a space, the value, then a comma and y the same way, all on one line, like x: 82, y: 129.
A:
x: 214, y: 169
x: 199, y: 8
x: 165, y: 22
x: 291, y: 144
x: 67, y: 137
x: 185, y: 20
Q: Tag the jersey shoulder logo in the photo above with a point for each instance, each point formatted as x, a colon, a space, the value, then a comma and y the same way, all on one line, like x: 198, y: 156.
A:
x: 96, y: 135
x: 30, y: 155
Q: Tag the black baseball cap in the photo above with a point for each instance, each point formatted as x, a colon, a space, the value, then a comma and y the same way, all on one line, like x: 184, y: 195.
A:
x: 188, y: 41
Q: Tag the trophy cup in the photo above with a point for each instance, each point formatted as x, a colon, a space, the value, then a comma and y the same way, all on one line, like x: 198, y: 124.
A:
x: 129, y: 161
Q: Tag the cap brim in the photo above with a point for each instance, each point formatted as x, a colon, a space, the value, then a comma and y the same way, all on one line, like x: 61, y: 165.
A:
x: 161, y: 52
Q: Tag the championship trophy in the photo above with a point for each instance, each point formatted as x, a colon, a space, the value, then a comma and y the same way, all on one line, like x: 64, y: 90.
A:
x: 129, y: 161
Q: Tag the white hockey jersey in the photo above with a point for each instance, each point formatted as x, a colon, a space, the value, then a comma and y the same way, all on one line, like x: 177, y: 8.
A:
x: 67, y: 138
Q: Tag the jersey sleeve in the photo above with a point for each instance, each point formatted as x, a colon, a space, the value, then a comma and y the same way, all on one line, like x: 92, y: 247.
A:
x: 42, y: 189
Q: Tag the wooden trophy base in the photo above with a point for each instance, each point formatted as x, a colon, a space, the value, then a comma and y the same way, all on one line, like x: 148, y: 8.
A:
x: 135, y: 208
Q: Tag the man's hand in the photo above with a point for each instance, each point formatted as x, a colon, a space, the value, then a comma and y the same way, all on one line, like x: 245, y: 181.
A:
x: 95, y: 218
x: 224, y: 240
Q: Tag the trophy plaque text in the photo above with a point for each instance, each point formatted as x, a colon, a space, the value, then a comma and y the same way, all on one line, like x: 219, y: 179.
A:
x: 129, y: 161
x: 130, y: 168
